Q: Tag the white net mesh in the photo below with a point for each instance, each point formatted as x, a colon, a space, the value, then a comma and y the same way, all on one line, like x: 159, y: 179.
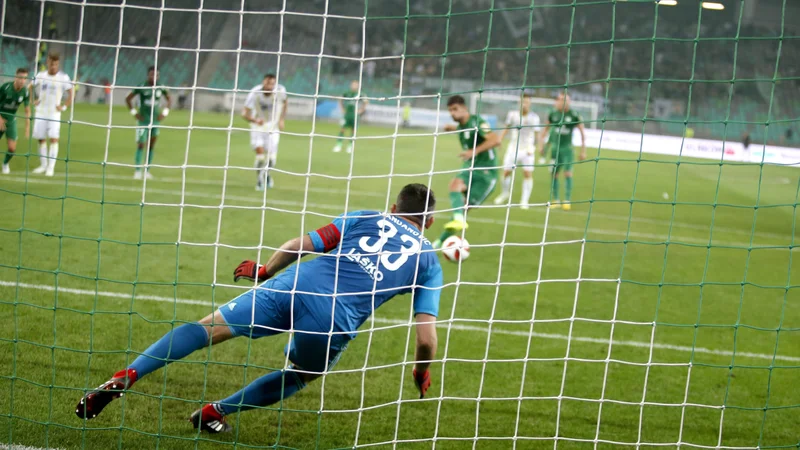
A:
x: 659, y: 311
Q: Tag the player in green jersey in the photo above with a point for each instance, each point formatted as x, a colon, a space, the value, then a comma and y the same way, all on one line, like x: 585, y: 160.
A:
x: 12, y: 95
x: 148, y: 117
x: 473, y: 185
x: 350, y: 108
x: 561, y: 122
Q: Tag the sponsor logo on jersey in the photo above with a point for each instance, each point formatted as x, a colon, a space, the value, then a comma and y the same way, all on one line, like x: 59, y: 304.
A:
x: 366, y: 264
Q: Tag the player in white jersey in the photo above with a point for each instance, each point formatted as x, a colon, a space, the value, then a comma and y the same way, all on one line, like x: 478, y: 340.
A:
x: 265, y: 108
x: 52, y: 91
x: 523, y: 124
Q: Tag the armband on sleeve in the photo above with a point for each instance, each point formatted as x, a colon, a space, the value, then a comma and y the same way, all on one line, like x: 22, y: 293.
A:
x: 329, y: 235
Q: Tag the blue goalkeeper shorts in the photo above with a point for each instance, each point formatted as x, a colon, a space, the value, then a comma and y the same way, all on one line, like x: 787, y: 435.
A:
x: 267, y: 311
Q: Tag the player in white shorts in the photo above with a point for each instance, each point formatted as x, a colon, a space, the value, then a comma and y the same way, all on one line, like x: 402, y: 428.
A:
x: 523, y: 124
x: 265, y: 108
x: 52, y: 90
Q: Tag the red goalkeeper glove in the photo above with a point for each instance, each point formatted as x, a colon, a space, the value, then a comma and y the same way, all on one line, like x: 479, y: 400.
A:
x: 250, y: 270
x: 423, y: 381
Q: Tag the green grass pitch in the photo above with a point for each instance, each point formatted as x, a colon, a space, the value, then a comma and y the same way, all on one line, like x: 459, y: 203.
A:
x: 698, y: 298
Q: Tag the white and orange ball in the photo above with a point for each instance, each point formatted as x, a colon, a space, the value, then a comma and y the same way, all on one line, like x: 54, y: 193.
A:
x: 455, y: 249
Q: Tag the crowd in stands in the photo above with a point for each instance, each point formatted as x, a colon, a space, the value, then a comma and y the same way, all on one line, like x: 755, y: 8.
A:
x: 689, y: 65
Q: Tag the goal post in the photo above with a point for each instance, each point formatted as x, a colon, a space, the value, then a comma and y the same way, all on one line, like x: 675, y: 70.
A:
x: 646, y: 296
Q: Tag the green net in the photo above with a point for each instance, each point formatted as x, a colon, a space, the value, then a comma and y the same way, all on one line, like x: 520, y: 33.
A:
x: 643, y: 296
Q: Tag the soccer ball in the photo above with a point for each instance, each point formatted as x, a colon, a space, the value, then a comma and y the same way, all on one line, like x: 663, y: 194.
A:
x: 455, y: 249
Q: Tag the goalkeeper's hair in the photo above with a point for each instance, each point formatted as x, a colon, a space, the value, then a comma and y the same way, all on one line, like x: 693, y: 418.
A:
x: 456, y: 100
x: 151, y: 69
x: 22, y: 70
x: 270, y: 75
x: 416, y: 202
x: 53, y: 56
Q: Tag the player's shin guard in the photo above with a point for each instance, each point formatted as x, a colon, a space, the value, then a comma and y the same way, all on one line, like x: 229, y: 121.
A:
x: 567, y: 188
x: 261, y: 162
x: 264, y: 391
x: 554, y: 196
x: 527, y: 188
x: 177, y: 344
x: 51, y: 163
x: 43, y: 154
x: 506, y: 185
x: 273, y: 158
x: 457, y: 202
x: 150, y: 152
x: 8, y: 157
x: 139, y: 157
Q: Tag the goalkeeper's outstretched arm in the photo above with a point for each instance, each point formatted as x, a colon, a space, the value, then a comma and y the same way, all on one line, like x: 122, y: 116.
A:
x: 426, y: 341
x: 288, y: 253
x: 425, y: 352
x: 426, y: 308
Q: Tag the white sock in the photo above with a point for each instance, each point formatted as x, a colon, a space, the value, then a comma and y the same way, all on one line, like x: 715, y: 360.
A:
x: 261, y: 161
x: 527, y: 188
x: 506, y: 185
x: 273, y: 159
x: 53, y: 156
x: 43, y: 154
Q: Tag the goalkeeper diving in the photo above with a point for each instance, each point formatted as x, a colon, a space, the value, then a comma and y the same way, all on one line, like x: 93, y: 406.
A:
x: 365, y: 258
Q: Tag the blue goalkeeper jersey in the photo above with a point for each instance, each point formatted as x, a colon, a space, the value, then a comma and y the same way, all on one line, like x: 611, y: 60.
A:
x: 371, y: 258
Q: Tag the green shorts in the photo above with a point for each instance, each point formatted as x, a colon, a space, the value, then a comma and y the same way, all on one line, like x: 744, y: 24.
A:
x: 563, y: 157
x: 11, y: 129
x: 349, y: 121
x: 144, y: 129
x: 480, y: 185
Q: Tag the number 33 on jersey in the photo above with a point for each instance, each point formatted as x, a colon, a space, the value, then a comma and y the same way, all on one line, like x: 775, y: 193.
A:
x: 374, y: 257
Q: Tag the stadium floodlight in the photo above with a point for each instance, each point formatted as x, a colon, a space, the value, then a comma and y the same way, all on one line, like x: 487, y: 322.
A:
x: 713, y: 5
x: 668, y: 2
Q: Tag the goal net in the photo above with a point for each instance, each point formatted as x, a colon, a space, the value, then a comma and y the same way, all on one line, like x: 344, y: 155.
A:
x: 645, y: 297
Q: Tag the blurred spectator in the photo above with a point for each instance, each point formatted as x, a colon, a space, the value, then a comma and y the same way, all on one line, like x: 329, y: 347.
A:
x: 369, y: 69
x: 107, y: 91
x: 183, y: 95
x: 406, y: 114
